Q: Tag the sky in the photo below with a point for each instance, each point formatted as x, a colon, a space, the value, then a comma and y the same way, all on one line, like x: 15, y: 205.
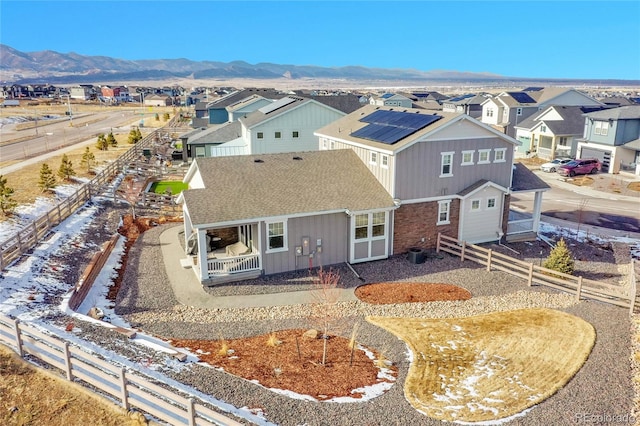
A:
x: 543, y: 39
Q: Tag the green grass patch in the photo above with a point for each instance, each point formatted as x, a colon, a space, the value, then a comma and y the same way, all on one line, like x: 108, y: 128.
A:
x: 162, y: 186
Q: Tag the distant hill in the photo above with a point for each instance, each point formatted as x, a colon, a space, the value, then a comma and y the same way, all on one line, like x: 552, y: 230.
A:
x: 52, y: 67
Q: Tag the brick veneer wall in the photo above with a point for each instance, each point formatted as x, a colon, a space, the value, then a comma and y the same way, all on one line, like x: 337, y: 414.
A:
x: 412, y: 222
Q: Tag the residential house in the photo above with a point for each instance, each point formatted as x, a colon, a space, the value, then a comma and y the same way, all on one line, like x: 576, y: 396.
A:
x: 553, y: 132
x: 83, y: 92
x: 613, y: 136
x: 384, y: 181
x: 470, y: 104
x: 216, y: 111
x: 246, y: 106
x: 115, y: 94
x: 263, y: 214
x: 448, y: 172
x: 158, y: 100
x: 285, y: 125
x: 508, y: 109
x: 391, y: 99
x: 429, y: 97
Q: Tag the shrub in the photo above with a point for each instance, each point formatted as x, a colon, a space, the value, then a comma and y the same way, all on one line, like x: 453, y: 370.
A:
x: 560, y: 259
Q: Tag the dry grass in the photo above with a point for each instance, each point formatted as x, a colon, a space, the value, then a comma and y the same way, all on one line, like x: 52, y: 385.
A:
x: 30, y: 396
x: 634, y: 186
x: 492, y: 366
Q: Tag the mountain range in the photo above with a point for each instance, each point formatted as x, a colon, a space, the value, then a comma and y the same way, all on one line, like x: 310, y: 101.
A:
x: 52, y: 67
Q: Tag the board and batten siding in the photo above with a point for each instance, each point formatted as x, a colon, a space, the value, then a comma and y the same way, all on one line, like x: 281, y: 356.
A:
x: 419, y: 167
x: 483, y: 224
x: 332, y: 229
x: 383, y: 174
x: 305, y: 120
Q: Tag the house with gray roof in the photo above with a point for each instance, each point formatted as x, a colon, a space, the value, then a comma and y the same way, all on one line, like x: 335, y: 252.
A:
x: 553, y: 132
x: 448, y: 172
x: 269, y: 213
x: 469, y: 103
x: 613, y: 136
x: 508, y: 109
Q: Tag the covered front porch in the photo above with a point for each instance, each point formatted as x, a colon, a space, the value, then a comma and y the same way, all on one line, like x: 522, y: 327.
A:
x: 220, y: 254
x: 524, y: 226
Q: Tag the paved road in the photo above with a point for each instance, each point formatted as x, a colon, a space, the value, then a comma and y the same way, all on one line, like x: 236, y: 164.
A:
x: 55, y: 135
x: 583, y: 205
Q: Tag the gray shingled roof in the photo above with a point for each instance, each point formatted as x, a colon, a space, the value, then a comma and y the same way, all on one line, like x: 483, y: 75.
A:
x: 630, y: 112
x: 345, y: 103
x: 525, y: 180
x: 218, y: 134
x: 239, y: 189
x: 243, y: 94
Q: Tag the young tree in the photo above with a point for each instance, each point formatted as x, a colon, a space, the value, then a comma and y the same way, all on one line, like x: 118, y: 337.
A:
x: 111, y: 140
x: 138, y: 135
x: 66, y: 168
x: 102, y: 143
x: 157, y: 117
x: 326, y: 294
x: 560, y: 259
x: 131, y: 189
x: 87, y: 159
x: 47, y: 179
x: 166, y: 116
x: 7, y: 203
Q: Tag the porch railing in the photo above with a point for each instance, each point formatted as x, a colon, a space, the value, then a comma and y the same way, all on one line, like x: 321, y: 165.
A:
x: 233, y: 265
x: 519, y: 226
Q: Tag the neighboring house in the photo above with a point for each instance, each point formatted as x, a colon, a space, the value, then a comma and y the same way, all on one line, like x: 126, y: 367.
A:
x: 429, y: 97
x: 246, y: 106
x: 158, y: 100
x: 391, y: 99
x: 83, y: 92
x: 469, y: 104
x: 613, y: 136
x: 263, y: 214
x: 217, y: 112
x: 553, y: 132
x: 448, y: 172
x: 508, y: 109
x: 115, y: 94
x: 285, y: 125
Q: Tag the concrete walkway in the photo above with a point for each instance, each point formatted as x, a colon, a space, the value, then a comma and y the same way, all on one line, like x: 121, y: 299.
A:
x: 189, y: 291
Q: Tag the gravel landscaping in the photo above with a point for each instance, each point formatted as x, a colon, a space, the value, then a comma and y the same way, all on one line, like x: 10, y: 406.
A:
x: 602, y: 387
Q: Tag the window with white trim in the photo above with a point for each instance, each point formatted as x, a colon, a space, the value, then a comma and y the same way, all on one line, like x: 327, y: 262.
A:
x: 518, y: 111
x: 260, y: 135
x: 601, y: 128
x: 276, y: 236
x: 444, y: 208
x: 543, y: 128
x: 483, y: 156
x: 295, y: 134
x: 373, y: 158
x: 500, y: 155
x: 475, y: 205
x: 489, y: 112
x: 362, y: 226
x: 278, y: 135
x: 332, y: 145
x: 377, y: 224
x: 384, y: 161
x: 446, y: 164
x: 324, y: 144
x: 491, y: 203
x: 467, y: 158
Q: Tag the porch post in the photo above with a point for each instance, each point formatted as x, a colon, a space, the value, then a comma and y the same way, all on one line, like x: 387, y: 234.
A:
x: 537, y: 209
x: 202, y: 254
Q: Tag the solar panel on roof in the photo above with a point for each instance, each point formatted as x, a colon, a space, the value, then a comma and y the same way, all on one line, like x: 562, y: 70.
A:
x: 522, y: 97
x: 459, y: 98
x: 532, y: 89
x: 386, y: 95
x: 391, y: 126
x: 277, y: 104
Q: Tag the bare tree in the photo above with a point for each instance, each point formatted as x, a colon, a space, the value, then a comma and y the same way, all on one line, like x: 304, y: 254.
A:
x: 581, y: 212
x: 130, y: 190
x: 326, y: 294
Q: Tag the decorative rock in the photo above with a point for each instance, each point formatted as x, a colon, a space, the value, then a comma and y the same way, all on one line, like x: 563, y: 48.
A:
x: 310, y: 334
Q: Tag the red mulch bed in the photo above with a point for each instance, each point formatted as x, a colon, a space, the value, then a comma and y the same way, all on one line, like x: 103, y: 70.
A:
x: 389, y: 292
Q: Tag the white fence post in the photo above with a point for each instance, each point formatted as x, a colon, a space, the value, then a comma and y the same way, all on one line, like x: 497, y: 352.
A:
x: 530, y: 279
x: 464, y: 246
x: 438, y: 243
x: 579, y: 290
x: 489, y: 260
x: 191, y: 412
x: 16, y: 327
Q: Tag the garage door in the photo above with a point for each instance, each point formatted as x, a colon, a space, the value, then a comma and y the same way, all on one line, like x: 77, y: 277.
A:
x: 603, y: 156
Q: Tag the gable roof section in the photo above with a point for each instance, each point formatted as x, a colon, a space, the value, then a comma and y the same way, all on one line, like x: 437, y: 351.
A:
x: 239, y: 189
x: 277, y: 108
x: 345, y: 103
x: 630, y: 112
x: 524, y: 180
x: 218, y: 134
x: 481, y: 184
x: 234, y: 97
x: 346, y: 128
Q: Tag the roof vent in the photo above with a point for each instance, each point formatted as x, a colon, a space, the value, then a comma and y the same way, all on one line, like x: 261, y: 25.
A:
x: 258, y: 160
x: 297, y: 158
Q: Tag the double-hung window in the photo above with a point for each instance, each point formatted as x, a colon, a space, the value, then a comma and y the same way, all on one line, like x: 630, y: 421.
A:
x: 373, y: 158
x: 467, y: 158
x: 500, y: 155
x: 444, y: 208
x: 276, y: 236
x: 446, y: 164
x: 483, y: 156
x: 362, y: 226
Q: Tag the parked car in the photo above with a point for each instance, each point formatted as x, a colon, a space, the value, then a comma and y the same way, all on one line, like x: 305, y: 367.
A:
x: 552, y: 166
x: 580, y: 167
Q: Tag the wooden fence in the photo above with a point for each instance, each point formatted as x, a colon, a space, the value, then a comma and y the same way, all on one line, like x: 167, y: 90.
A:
x: 27, y: 237
x: 129, y: 389
x: 534, y: 274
